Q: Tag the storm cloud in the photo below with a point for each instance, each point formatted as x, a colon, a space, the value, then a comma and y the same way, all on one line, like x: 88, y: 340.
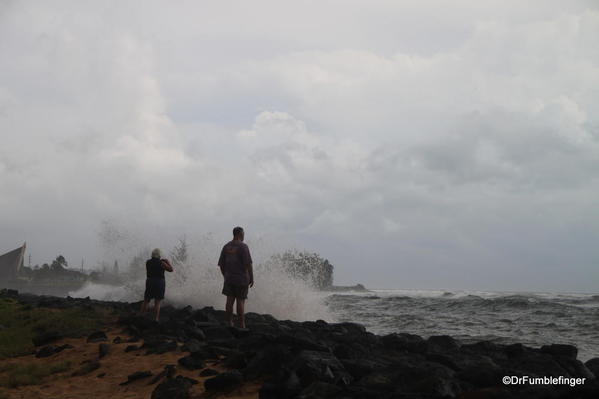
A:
x: 412, y: 144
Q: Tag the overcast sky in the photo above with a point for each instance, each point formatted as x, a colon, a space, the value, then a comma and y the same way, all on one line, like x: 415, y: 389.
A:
x: 415, y: 144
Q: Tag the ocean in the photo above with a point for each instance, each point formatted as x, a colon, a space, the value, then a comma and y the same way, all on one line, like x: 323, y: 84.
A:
x: 533, y: 319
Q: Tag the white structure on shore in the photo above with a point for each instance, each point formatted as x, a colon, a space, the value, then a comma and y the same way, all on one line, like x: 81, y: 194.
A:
x: 11, y: 262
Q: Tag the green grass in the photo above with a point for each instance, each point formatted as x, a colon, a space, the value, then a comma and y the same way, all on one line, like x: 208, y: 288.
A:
x: 29, y: 374
x: 23, y: 322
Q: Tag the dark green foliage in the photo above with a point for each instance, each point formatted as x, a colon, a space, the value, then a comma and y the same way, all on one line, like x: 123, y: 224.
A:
x: 30, y: 374
x: 24, y: 323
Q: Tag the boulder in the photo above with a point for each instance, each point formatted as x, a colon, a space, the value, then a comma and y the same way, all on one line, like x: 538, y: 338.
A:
x: 97, y: 336
x: 404, y: 342
x: 173, y: 388
x: 168, y: 372
x: 318, y: 390
x: 313, y: 366
x: 224, y: 381
x: 86, y: 368
x: 103, y: 350
x: 46, y: 351
x: 267, y: 361
x: 138, y: 375
x: 569, y: 351
x: 284, y: 384
x: 117, y: 340
x: 593, y: 366
x: 208, y: 372
x: 236, y: 360
x: 192, y: 362
x: 192, y: 345
x: 442, y: 343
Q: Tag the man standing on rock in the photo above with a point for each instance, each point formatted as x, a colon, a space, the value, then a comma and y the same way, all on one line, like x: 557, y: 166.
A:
x: 155, y: 283
x: 235, y: 264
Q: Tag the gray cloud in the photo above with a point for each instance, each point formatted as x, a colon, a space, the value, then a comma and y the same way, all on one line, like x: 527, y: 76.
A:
x: 432, y: 148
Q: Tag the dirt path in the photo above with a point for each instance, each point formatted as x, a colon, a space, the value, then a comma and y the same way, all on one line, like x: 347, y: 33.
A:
x: 115, y: 367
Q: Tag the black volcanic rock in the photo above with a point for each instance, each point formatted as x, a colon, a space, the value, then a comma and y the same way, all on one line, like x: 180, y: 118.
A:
x: 173, y: 388
x: 97, y: 336
x: 593, y: 366
x: 208, y: 372
x: 224, y: 381
x: 86, y: 368
x: 46, y: 351
x: 103, y: 350
x: 568, y: 351
x: 192, y: 362
x: 316, y: 359
x: 138, y: 375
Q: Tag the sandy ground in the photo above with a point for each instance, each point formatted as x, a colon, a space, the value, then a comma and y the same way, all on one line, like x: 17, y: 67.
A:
x: 117, y: 365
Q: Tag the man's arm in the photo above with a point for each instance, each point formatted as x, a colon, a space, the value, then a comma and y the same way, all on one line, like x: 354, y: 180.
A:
x: 221, y: 261
x: 251, y: 273
x: 166, y: 265
x: 248, y: 264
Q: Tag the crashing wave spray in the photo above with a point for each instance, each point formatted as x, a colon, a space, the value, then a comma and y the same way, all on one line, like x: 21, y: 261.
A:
x: 197, y: 281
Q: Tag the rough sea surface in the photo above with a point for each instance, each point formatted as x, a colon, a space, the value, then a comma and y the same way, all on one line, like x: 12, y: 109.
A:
x: 533, y: 319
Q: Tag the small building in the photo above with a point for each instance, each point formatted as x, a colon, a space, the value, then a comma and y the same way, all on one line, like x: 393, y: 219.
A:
x: 11, y: 262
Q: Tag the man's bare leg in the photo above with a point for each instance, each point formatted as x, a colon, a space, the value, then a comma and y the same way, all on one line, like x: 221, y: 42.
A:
x: 229, y: 309
x: 157, y: 309
x: 241, y: 312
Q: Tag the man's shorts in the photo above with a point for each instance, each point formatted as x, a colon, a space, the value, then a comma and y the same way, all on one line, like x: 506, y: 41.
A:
x: 237, y: 291
x: 154, y: 288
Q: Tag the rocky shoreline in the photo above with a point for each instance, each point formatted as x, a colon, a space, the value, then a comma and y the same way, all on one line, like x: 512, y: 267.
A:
x: 316, y: 359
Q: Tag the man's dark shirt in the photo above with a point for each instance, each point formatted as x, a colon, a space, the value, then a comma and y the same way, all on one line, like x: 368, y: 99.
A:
x: 154, y: 268
x: 234, y: 259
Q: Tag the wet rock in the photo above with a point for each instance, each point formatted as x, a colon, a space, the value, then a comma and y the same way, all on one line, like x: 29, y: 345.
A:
x: 195, y: 333
x: 404, y: 342
x: 168, y: 372
x: 318, y: 390
x: 224, y: 381
x: 192, y: 345
x: 117, y: 340
x: 163, y: 347
x: 63, y: 347
x: 86, y: 368
x: 593, y: 366
x: 138, y: 375
x: 267, y: 361
x: 173, y: 388
x: 236, y: 360
x: 313, y: 366
x: 46, y: 351
x: 217, y: 332
x: 284, y: 384
x: 240, y: 332
x: 192, y: 362
x: 569, y: 351
x: 208, y: 372
x: 130, y: 348
x: 97, y: 336
x: 442, y: 343
x: 103, y: 350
